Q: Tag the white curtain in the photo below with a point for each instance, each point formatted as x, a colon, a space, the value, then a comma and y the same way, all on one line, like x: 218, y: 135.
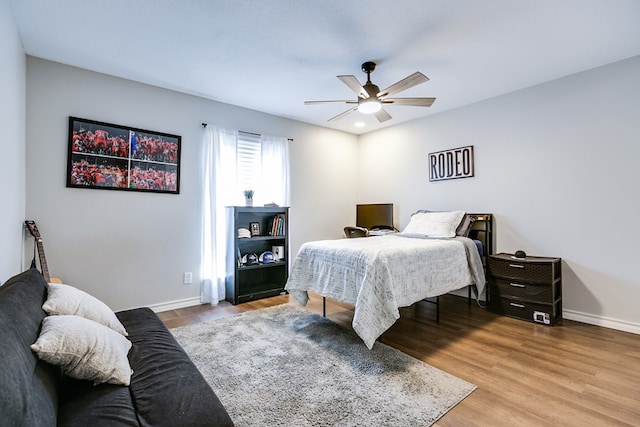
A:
x: 219, y: 145
x: 222, y: 188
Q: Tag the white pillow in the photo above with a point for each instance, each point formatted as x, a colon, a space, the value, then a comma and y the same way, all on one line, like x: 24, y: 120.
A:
x: 65, y: 299
x: 85, y: 350
x: 434, y: 224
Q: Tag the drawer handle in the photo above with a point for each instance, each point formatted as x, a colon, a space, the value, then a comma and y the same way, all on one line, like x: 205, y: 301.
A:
x: 513, y: 304
x: 516, y: 265
x: 517, y: 285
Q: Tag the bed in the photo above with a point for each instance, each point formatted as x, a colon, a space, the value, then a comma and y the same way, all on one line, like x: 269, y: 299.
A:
x: 378, y: 275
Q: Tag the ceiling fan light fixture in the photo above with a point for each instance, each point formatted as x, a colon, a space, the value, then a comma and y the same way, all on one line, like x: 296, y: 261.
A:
x: 370, y: 97
x: 369, y: 106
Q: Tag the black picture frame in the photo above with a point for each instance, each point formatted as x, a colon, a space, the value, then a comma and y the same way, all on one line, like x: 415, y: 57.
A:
x: 255, y: 228
x: 455, y: 163
x: 107, y: 156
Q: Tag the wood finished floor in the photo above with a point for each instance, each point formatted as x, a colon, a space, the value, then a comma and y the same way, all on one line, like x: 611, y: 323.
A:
x: 571, y: 374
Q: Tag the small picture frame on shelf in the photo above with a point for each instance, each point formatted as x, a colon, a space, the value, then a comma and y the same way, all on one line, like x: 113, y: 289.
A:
x: 255, y: 228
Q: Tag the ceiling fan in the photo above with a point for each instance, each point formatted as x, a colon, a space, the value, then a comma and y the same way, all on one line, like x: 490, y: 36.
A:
x: 371, y: 98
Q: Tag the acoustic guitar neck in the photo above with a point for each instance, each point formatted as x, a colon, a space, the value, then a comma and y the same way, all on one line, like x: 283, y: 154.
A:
x: 33, y: 229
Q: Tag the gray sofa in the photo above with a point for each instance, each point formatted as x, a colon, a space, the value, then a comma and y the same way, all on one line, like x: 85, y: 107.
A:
x: 166, y: 388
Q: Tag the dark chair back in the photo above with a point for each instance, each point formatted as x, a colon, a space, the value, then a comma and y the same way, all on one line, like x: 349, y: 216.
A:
x: 353, y: 231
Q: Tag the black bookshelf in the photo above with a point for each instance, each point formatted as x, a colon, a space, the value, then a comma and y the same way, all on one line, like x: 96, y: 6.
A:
x: 244, y: 281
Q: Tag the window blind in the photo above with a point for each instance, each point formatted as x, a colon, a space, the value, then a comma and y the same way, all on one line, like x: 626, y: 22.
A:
x: 249, y: 160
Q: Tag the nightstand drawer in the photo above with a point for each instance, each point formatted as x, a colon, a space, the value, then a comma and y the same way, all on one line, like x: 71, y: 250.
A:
x: 521, y: 290
x: 526, y: 271
x: 533, y: 312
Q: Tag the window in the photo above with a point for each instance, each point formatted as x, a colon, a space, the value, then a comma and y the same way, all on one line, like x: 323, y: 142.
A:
x: 249, y: 161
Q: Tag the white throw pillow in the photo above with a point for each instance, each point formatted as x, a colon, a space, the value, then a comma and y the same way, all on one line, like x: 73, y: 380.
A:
x: 85, y: 350
x: 434, y: 224
x: 65, y: 299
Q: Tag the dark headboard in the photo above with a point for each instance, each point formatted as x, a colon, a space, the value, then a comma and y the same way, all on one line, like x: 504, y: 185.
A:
x: 482, y: 230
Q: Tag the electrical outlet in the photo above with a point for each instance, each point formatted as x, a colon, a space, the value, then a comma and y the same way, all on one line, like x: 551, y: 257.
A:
x: 187, y: 278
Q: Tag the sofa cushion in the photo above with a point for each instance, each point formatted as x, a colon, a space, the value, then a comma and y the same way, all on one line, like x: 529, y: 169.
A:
x: 85, y: 349
x: 28, y: 391
x: 83, y: 404
x: 166, y: 386
x: 65, y: 299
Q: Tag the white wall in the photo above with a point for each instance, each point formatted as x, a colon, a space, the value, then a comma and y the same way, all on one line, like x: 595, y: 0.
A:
x: 12, y: 144
x: 558, y: 166
x: 129, y: 248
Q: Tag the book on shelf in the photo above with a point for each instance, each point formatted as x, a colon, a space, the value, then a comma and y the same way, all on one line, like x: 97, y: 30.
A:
x: 277, y: 226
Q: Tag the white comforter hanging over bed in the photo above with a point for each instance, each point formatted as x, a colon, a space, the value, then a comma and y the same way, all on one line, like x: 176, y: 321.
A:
x: 380, y: 274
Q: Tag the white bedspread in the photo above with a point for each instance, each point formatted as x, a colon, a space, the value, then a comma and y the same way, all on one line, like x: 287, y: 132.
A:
x: 380, y: 274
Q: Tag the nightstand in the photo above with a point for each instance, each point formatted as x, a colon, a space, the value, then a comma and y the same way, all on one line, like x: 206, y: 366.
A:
x: 527, y: 288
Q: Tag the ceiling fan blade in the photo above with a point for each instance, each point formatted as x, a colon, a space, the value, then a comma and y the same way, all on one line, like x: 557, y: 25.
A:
x: 354, y: 85
x: 415, y: 102
x: 382, y: 115
x: 338, y: 101
x: 404, y: 84
x: 341, y: 115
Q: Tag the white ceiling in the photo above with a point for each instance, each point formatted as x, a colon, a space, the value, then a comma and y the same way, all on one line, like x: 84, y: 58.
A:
x: 272, y: 55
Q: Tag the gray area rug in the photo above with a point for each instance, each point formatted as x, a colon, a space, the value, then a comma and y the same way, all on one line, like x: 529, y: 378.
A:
x: 284, y: 366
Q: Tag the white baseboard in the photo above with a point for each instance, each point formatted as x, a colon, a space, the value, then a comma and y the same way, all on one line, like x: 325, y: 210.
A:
x: 174, y: 305
x: 605, y: 322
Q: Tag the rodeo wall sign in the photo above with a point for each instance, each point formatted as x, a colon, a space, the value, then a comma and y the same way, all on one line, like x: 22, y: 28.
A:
x: 451, y: 164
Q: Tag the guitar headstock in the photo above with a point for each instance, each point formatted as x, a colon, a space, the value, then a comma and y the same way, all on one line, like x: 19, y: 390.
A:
x: 33, y: 229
